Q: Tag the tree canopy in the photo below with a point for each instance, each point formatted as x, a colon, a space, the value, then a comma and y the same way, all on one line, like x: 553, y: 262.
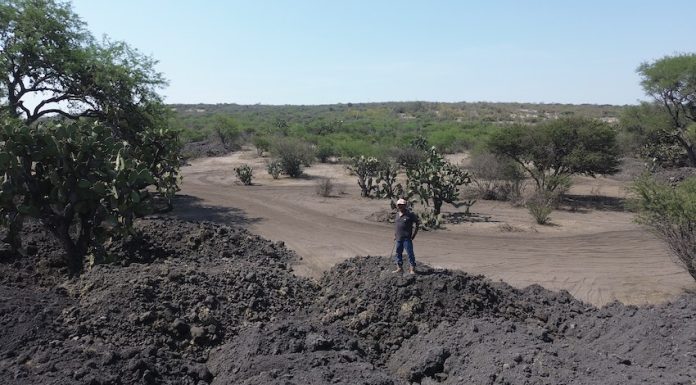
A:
x: 83, y: 132
x: 53, y: 65
x: 671, y: 81
x: 552, y: 151
x: 648, y: 132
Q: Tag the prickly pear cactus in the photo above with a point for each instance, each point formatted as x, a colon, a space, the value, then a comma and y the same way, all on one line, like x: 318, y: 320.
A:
x: 436, y: 181
x: 244, y: 173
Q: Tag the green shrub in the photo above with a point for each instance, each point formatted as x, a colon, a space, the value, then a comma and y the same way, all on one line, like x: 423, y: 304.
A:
x: 540, y: 206
x: 352, y: 148
x: 670, y: 211
x: 450, y: 140
x: 244, y: 173
x: 188, y: 135
x: 324, y: 151
x: 226, y: 130
x: 292, y: 154
x: 262, y: 144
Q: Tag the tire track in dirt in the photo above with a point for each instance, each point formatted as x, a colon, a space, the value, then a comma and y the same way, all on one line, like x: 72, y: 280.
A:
x: 631, y: 266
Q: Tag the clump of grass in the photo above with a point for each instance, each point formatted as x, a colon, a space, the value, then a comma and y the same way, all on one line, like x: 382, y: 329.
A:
x: 540, y: 206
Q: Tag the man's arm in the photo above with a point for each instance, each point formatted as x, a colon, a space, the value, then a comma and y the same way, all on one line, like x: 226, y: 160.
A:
x: 415, y: 231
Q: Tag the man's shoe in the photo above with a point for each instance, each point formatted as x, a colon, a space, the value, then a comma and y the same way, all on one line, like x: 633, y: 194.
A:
x: 412, y: 270
x: 399, y: 270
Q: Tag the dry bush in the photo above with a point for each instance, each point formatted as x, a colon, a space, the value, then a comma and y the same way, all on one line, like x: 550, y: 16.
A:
x: 408, y: 157
x: 540, y: 206
x: 325, y: 187
x: 671, y: 212
x: 495, y: 178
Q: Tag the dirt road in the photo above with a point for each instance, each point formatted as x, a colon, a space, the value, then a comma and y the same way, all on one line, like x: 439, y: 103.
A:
x: 598, y: 256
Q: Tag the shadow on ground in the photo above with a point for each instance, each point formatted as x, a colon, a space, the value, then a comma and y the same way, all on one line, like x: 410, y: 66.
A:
x: 585, y: 203
x: 193, y: 208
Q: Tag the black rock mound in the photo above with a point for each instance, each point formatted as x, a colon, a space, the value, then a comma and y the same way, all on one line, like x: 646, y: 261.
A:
x: 195, y: 303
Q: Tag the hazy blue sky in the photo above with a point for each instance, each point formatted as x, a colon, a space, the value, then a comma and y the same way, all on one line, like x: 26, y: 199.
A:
x: 319, y: 52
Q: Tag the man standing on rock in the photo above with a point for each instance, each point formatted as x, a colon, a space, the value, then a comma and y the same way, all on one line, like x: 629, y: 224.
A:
x: 404, y: 235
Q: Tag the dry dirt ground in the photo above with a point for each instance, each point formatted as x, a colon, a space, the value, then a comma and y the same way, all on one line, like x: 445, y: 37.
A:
x: 598, y: 254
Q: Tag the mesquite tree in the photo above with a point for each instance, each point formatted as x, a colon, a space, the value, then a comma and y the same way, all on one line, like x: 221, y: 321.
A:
x: 671, y: 81
x: 555, y: 150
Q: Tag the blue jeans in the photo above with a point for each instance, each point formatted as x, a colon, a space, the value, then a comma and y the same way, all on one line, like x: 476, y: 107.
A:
x: 402, y: 244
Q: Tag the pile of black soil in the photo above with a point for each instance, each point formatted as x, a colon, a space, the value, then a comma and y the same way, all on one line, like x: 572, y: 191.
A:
x: 179, y: 289
x: 370, y: 326
x: 195, y: 303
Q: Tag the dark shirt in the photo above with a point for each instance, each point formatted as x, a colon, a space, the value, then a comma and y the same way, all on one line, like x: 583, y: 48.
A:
x: 404, y: 225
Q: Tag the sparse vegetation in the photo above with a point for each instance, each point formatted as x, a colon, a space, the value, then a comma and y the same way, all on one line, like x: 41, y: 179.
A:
x: 374, y: 129
x: 646, y: 133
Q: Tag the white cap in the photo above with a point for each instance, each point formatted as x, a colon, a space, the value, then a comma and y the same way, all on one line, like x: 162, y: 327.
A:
x: 401, y: 201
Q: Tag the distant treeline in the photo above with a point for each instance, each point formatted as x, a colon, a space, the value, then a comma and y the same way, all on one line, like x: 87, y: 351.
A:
x: 369, y: 128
